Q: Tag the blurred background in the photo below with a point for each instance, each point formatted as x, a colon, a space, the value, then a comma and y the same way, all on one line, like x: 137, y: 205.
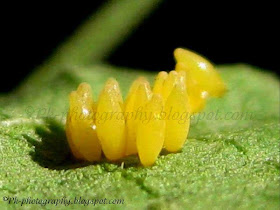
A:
x: 228, y: 32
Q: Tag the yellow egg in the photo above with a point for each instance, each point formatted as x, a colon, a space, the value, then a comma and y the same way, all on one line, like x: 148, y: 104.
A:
x: 80, y: 126
x: 150, y: 131
x: 137, y: 99
x: 177, y: 111
x: 168, y: 84
x: 201, y: 71
x: 148, y: 120
x: 196, y: 96
x: 159, y: 81
x: 68, y: 130
x: 110, y: 121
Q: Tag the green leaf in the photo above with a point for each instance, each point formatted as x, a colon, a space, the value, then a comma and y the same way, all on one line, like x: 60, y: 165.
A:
x: 230, y: 160
x: 225, y: 163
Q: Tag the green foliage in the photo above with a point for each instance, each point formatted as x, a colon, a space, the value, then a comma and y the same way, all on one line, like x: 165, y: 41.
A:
x: 224, y: 163
x: 231, y: 159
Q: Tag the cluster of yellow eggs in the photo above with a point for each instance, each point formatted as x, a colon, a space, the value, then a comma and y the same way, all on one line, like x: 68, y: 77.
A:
x: 144, y: 123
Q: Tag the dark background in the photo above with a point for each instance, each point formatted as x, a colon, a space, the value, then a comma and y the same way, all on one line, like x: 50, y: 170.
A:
x: 229, y: 32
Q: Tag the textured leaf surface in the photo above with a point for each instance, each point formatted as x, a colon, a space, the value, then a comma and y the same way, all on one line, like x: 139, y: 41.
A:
x: 227, y: 162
